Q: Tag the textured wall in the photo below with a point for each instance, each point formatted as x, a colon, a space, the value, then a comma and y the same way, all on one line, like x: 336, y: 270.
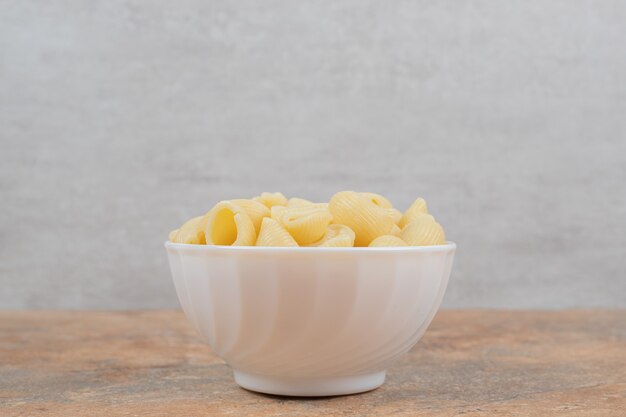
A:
x: 120, y: 119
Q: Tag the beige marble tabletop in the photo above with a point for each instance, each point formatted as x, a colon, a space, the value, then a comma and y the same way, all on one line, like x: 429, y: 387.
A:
x: 471, y: 363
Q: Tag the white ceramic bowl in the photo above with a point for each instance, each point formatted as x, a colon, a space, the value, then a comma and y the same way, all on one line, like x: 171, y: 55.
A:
x: 310, y: 321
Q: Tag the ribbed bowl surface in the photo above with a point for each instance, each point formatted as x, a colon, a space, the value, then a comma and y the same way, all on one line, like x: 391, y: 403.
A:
x: 310, y: 312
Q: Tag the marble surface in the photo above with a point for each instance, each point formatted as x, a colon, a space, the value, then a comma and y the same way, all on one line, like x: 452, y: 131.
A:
x: 470, y: 362
x: 121, y: 119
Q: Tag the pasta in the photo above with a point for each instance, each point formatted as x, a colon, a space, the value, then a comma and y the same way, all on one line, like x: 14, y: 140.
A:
x: 228, y: 224
x: 337, y: 235
x: 277, y: 212
x: 273, y: 234
x: 301, y: 202
x: 271, y: 199
x: 385, y: 204
x: 387, y: 240
x: 349, y: 219
x: 423, y: 231
x: 255, y: 210
x: 306, y: 224
x: 191, y: 232
x: 378, y: 199
x: 395, y: 214
x: 366, y: 219
x: 418, y: 207
x: 298, y: 202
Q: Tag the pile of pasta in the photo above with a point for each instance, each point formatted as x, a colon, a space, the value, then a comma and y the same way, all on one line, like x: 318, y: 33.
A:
x: 350, y: 218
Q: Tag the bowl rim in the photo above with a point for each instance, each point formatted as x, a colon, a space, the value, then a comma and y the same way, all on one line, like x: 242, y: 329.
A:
x: 449, y: 245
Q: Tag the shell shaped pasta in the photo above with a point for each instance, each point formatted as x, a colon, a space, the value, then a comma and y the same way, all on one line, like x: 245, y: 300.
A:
x: 277, y: 212
x: 271, y: 199
x: 366, y: 219
x: 336, y: 236
x: 418, y: 216
x: 228, y: 224
x: 172, y: 236
x: 191, y: 232
x: 306, y: 224
x: 423, y: 231
x: 273, y: 234
x: 395, y: 214
x: 386, y: 241
x: 298, y: 202
x: 301, y: 202
x: 418, y: 207
x: 255, y: 210
x: 378, y: 199
x: 349, y: 219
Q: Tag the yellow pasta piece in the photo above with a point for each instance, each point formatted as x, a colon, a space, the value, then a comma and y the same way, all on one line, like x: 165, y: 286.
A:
x: 423, y: 231
x: 384, y: 203
x: 306, y: 224
x: 337, y: 235
x: 349, y: 219
x: 228, y: 224
x: 273, y: 234
x: 276, y: 212
x: 378, y: 199
x: 191, y: 232
x: 366, y: 219
x: 418, y: 215
x: 387, y: 240
x: 301, y: 202
x: 298, y: 202
x: 418, y: 207
x: 255, y: 210
x: 395, y: 214
x: 271, y: 199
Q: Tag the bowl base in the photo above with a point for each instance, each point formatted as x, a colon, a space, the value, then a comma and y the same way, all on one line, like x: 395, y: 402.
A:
x: 310, y: 387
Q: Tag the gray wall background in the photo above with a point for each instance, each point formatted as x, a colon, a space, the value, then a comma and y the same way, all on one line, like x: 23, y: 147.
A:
x: 121, y: 119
